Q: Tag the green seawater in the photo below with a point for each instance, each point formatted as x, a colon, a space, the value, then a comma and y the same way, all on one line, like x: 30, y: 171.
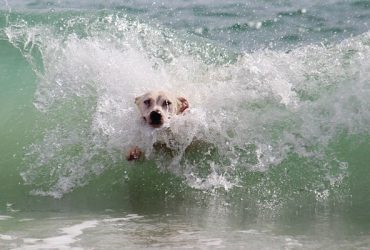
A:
x: 279, y: 125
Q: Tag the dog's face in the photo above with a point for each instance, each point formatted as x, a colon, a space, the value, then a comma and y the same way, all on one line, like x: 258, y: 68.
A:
x: 157, y: 107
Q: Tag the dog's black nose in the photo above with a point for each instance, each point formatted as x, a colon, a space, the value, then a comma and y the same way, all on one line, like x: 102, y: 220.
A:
x: 156, y: 118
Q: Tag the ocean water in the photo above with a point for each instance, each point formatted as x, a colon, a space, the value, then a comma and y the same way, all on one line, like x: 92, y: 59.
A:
x: 274, y: 152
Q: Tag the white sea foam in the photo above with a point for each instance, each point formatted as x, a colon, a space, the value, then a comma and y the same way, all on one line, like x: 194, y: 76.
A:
x: 69, y: 236
x: 253, y: 111
x: 5, y: 217
x: 6, y: 237
x: 123, y: 219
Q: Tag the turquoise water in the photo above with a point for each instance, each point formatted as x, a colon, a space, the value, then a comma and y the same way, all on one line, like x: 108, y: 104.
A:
x: 273, y: 153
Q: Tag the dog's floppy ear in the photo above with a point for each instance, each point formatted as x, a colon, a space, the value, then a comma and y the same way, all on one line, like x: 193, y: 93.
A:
x: 137, y: 100
x: 182, y: 104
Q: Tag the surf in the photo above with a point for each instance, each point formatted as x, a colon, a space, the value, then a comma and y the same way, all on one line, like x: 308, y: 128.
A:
x: 256, y: 109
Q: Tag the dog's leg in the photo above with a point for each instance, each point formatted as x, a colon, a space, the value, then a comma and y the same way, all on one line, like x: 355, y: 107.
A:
x: 134, y: 154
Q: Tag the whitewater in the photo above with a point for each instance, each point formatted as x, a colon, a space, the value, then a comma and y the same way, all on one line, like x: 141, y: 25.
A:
x: 272, y: 154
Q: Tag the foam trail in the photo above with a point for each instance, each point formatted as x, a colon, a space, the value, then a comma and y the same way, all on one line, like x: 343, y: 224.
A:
x: 64, y: 241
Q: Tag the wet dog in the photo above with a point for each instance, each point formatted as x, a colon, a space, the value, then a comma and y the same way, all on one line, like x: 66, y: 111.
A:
x: 156, y: 108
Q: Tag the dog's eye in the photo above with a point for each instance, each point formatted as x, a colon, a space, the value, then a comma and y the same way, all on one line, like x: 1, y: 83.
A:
x: 147, y: 102
x: 166, y: 103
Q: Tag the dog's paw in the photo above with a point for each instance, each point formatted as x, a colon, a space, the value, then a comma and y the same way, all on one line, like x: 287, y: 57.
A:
x: 134, y: 154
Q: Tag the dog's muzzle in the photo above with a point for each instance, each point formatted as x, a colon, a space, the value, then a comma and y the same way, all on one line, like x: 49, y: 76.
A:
x: 156, y: 118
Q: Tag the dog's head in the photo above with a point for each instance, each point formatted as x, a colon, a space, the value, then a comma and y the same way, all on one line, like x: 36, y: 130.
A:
x: 157, y: 107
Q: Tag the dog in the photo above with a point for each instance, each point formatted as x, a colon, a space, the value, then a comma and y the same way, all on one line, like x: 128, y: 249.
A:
x: 156, y: 109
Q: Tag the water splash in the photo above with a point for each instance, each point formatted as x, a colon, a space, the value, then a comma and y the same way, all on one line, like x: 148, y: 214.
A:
x: 248, y: 112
